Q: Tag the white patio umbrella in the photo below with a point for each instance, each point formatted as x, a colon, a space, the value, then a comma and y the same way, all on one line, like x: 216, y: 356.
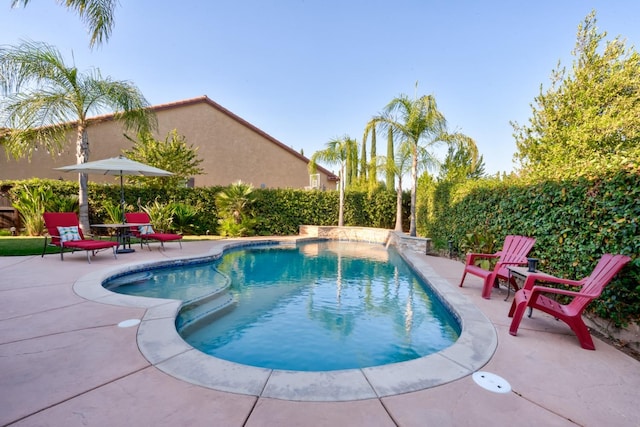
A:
x: 116, y: 166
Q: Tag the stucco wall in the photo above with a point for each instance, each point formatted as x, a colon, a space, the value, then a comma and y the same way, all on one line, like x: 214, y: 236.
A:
x: 232, y: 149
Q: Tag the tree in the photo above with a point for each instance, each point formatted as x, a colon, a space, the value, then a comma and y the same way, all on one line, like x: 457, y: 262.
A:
x: 173, y: 154
x: 460, y: 164
x: 338, y: 151
x: 390, y: 163
x: 419, y: 122
x: 398, y: 166
x: 352, y: 164
x: 589, y: 112
x: 56, y: 99
x: 373, y: 166
x: 363, y: 160
x: 97, y: 14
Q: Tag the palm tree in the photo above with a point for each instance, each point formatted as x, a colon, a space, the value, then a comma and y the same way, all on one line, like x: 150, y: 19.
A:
x: 338, y: 151
x: 401, y: 165
x: 58, y: 98
x: 418, y: 121
x: 97, y: 14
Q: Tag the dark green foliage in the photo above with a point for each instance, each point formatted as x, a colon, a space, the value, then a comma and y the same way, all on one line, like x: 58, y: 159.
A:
x: 389, y: 167
x: 102, y: 196
x: 574, y: 222
x: 277, y: 211
x: 373, y: 170
x: 379, y: 207
x: 282, y: 211
x: 235, y: 209
x: 185, y: 218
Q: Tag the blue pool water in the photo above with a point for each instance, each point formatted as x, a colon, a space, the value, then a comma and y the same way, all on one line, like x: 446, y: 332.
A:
x: 318, y: 306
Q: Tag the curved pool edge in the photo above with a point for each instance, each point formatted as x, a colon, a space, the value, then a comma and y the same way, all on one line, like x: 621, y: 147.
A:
x: 162, y: 346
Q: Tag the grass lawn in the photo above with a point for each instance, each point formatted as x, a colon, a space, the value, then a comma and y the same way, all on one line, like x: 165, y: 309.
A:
x: 16, y: 246
x: 19, y: 246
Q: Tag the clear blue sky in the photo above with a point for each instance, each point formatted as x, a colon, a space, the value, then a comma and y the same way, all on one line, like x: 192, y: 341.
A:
x: 306, y: 71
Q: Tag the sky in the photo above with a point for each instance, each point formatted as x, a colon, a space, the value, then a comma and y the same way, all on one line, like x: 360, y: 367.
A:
x: 308, y: 71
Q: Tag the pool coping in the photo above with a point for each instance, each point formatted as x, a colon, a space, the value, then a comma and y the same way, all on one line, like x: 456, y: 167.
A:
x: 162, y: 346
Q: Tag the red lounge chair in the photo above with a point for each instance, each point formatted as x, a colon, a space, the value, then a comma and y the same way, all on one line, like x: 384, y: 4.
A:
x: 65, y: 232
x: 514, y: 252
x: 146, y: 233
x: 590, y: 288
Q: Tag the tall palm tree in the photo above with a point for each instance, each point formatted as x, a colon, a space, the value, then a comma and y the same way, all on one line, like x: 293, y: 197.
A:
x: 399, y: 165
x: 45, y: 98
x: 96, y: 14
x: 338, y: 151
x: 417, y: 122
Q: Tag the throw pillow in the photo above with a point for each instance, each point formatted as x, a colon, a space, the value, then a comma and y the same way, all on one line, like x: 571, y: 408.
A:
x: 68, y: 234
x: 145, y: 229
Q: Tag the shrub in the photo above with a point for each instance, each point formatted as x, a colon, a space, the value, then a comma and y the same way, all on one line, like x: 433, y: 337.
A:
x: 235, y: 207
x: 32, y: 202
x: 161, y: 215
x: 574, y: 220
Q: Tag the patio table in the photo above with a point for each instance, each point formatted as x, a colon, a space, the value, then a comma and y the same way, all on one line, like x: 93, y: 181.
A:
x: 122, y: 234
x: 517, y: 274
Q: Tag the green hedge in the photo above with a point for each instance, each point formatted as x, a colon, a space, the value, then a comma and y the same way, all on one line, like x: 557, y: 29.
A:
x: 574, y: 222
x: 282, y: 211
x: 278, y: 211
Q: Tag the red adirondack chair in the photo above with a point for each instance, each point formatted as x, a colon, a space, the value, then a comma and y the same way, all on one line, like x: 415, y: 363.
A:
x: 590, y: 288
x: 514, y: 252
x: 65, y: 232
x: 146, y: 232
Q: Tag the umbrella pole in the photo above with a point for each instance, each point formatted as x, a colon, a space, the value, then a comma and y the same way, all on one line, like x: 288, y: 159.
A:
x: 123, y: 233
x: 122, y: 198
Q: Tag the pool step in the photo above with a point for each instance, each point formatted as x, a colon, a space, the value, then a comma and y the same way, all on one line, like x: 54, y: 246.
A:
x: 194, y: 311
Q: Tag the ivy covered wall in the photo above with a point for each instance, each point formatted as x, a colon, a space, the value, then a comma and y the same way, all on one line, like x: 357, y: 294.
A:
x: 574, y: 220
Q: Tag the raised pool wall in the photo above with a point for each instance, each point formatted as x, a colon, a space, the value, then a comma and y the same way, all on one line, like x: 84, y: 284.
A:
x: 384, y: 236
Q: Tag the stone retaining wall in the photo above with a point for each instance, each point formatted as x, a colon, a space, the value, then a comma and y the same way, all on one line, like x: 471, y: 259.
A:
x: 362, y: 234
x: 368, y: 234
x: 421, y: 245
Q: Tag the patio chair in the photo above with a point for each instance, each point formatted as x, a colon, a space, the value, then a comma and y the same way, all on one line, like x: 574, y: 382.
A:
x: 532, y: 295
x: 65, y: 232
x: 514, y: 252
x: 146, y: 233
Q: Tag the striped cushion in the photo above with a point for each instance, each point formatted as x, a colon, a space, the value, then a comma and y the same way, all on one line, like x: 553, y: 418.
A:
x: 68, y: 234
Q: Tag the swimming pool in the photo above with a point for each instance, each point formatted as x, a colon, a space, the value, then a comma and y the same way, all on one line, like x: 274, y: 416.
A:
x: 316, y: 306
x: 165, y: 350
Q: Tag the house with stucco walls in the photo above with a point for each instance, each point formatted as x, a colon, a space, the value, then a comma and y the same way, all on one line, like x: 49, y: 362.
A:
x: 232, y: 149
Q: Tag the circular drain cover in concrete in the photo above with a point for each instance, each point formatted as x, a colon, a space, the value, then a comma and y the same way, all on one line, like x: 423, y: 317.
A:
x: 129, y: 323
x: 491, y: 382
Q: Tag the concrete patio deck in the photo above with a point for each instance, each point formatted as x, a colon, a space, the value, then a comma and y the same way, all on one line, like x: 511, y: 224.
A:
x: 65, y: 362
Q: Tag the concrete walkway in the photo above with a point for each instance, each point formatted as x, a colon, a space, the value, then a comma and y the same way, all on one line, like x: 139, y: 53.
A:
x: 65, y: 362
